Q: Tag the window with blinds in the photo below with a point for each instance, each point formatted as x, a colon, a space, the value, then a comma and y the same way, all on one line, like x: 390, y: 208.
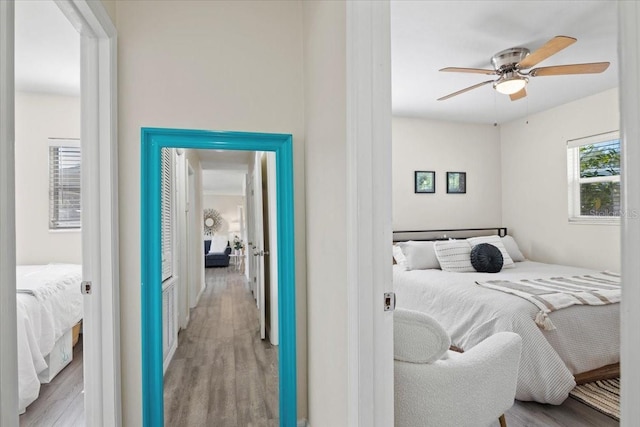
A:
x: 64, y: 184
x: 167, y: 212
x: 594, y: 178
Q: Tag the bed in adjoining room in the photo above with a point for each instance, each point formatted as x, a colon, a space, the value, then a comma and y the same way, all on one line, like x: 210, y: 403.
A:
x: 49, y: 309
x: 560, y: 345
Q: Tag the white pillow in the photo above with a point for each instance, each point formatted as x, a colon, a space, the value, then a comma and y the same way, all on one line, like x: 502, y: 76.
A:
x: 401, y: 260
x: 513, y: 249
x: 494, y: 240
x: 454, y: 255
x: 418, y: 338
x: 218, y: 244
x: 419, y: 255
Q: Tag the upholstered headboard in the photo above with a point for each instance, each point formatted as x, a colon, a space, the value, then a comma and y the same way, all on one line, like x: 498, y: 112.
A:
x: 459, y: 233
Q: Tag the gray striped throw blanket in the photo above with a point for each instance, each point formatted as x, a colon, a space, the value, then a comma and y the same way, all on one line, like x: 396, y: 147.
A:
x: 554, y: 293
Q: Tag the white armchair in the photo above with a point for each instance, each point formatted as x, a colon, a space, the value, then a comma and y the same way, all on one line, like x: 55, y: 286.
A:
x: 438, y: 387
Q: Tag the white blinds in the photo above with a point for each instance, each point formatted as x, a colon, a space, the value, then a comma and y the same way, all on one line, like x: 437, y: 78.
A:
x: 64, y: 184
x: 167, y: 210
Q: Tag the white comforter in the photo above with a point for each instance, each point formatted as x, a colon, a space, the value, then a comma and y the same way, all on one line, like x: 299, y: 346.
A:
x: 49, y: 302
x: 586, y: 338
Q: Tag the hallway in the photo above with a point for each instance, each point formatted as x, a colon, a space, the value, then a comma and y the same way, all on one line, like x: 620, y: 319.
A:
x: 222, y: 373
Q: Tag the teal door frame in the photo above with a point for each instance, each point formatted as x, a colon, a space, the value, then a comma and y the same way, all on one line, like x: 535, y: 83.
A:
x: 152, y: 140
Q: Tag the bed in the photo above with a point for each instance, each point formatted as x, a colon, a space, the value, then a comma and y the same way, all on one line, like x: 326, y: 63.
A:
x: 49, y: 305
x: 585, y: 338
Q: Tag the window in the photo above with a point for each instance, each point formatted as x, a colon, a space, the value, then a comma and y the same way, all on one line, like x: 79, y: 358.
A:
x: 594, y: 178
x: 166, y: 166
x: 64, y: 184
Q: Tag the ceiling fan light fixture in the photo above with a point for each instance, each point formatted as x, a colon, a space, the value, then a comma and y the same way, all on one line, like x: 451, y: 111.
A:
x: 510, y: 83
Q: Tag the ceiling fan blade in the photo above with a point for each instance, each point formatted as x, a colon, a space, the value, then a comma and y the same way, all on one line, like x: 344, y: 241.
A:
x: 468, y: 70
x: 559, y: 70
x: 518, y: 95
x: 451, y: 95
x: 551, y: 47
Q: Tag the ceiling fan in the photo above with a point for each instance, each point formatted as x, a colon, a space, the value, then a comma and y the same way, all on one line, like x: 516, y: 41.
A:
x: 509, y: 66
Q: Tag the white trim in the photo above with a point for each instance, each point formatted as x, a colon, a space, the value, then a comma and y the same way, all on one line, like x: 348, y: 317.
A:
x: 8, y: 327
x: 590, y: 220
x: 593, y: 139
x: 182, y: 238
x: 629, y: 56
x: 100, y: 208
x: 370, y: 329
x: 63, y: 142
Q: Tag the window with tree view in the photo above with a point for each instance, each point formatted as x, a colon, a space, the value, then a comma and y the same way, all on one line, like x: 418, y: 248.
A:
x: 594, y: 177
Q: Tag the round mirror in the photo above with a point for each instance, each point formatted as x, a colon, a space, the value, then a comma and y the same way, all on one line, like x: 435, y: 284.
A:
x: 208, y: 222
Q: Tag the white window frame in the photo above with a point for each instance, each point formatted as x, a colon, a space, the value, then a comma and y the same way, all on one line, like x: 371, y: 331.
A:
x: 574, y: 179
x: 71, y: 226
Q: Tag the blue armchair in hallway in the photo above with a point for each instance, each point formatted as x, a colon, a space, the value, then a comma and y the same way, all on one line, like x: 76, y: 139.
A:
x: 215, y: 258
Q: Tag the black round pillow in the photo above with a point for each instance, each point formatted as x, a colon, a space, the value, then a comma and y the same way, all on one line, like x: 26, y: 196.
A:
x: 486, y: 258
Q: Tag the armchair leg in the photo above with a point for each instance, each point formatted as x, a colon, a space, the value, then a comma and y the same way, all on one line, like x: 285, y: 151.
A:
x: 503, y: 421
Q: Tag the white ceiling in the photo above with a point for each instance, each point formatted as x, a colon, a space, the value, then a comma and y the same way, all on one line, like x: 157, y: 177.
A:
x: 224, y: 171
x: 426, y: 36
x: 47, y: 49
x: 429, y: 35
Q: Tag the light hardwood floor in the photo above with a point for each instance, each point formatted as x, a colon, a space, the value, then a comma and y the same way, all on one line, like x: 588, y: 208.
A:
x: 61, y: 402
x: 570, y: 414
x: 223, y: 374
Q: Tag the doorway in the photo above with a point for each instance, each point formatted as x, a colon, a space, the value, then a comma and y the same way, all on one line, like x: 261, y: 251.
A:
x: 153, y: 140
x: 99, y: 213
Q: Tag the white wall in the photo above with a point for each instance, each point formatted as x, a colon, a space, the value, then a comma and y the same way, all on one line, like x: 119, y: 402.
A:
x: 534, y: 184
x: 228, y: 208
x: 325, y: 133
x: 430, y: 145
x: 39, y: 117
x: 220, y: 65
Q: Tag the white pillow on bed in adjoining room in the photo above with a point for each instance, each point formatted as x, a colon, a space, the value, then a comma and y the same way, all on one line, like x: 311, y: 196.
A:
x: 399, y: 257
x: 513, y: 249
x: 495, y: 240
x: 454, y: 255
x: 418, y: 255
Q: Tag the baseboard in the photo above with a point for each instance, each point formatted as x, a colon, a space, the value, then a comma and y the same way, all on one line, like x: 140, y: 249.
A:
x: 303, y: 423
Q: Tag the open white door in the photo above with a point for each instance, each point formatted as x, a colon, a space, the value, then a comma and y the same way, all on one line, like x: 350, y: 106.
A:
x: 251, y: 260
x: 258, y: 252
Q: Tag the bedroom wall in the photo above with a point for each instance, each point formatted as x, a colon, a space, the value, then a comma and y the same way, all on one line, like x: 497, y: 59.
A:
x: 228, y: 208
x: 325, y: 132
x: 440, y: 146
x: 534, y: 184
x: 221, y: 65
x: 37, y: 118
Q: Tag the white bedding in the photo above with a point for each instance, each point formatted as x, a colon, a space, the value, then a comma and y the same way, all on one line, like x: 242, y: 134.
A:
x: 586, y: 338
x: 49, y: 302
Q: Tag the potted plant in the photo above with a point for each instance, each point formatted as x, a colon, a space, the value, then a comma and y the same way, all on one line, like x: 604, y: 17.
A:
x: 238, y: 244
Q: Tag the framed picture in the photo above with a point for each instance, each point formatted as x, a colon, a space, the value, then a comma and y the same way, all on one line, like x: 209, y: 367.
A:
x: 456, y: 182
x: 425, y: 182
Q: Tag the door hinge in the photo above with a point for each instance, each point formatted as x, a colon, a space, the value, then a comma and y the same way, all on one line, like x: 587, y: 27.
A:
x: 85, y: 287
x: 389, y: 301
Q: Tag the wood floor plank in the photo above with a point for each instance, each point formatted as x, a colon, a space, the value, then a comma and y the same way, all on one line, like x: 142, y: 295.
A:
x: 222, y: 361
x: 60, y: 400
x: 570, y: 414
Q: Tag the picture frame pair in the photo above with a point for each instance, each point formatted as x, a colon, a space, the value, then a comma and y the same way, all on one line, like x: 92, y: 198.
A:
x: 425, y: 182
